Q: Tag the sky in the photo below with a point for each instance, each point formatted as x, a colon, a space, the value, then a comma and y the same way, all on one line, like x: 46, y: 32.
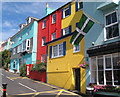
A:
x: 15, y: 13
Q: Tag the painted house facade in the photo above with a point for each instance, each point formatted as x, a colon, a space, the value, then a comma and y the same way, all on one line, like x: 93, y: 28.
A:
x: 49, y: 28
x: 102, y: 43
x: 63, y: 58
x: 24, y: 46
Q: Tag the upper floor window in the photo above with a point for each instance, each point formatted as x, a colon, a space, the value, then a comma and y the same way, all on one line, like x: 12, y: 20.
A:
x: 66, y: 11
x: 43, y: 41
x: 14, y: 51
x: 66, y: 31
x: 21, y: 36
x: 28, y: 30
x: 44, y: 23
x: 15, y: 39
x: 19, y: 48
x: 43, y: 57
x: 54, y: 36
x: 80, y: 5
x: 54, y: 18
x: 111, y: 25
x: 76, y: 48
x: 26, y: 45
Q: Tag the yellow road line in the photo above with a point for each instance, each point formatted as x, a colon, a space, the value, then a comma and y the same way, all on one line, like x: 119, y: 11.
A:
x: 71, y: 93
x: 39, y: 92
x: 59, y: 93
x: 35, y: 94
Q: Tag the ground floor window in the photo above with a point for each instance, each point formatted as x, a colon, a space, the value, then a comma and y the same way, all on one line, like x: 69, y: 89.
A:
x: 14, y: 64
x: 105, y: 69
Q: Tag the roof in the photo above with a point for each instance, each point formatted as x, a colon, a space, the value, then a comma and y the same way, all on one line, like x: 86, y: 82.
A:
x: 55, y: 11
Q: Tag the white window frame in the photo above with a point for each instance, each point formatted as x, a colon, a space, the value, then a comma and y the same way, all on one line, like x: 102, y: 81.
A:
x: 54, y: 15
x: 42, y: 57
x: 110, y: 25
x: 67, y: 28
x: 74, y: 47
x: 43, y: 41
x: 27, y: 46
x: 67, y: 8
x: 53, y: 36
x: 14, y: 51
x: 44, y: 25
x: 58, y: 53
x: 104, y: 68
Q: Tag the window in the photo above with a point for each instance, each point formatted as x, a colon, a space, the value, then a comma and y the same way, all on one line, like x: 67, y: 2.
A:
x: 21, y: 36
x: 80, y: 5
x: 24, y: 45
x: 66, y: 31
x: 58, y: 50
x: 67, y: 11
x: 43, y: 41
x: 44, y: 23
x: 111, y: 25
x: 28, y: 30
x: 19, y: 48
x: 14, y: 51
x: 105, y: 69
x: 43, y: 58
x: 53, y: 18
x: 76, y: 48
x: 14, y: 64
x: 54, y: 36
x: 15, y: 39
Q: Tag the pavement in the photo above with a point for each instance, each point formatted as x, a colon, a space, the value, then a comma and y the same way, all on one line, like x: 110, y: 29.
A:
x: 23, y: 86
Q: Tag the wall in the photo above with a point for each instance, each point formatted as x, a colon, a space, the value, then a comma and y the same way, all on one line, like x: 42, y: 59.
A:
x: 97, y: 32
x: 47, y: 32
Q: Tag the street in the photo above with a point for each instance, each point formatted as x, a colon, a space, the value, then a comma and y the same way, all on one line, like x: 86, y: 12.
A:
x: 22, y: 86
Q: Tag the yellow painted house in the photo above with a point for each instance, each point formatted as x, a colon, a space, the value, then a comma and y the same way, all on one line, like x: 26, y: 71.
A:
x: 63, y: 58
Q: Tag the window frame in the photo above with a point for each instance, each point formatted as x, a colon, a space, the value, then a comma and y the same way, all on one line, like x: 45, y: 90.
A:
x: 43, y: 41
x: 66, y: 8
x: 53, y: 17
x: 53, y: 34
x: 112, y: 24
x: 58, y: 50
x: 44, y: 25
x: 64, y: 33
x: 104, y: 68
x: 79, y: 7
x: 74, y: 48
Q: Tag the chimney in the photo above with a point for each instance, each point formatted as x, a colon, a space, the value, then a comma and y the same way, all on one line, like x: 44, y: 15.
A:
x: 47, y: 5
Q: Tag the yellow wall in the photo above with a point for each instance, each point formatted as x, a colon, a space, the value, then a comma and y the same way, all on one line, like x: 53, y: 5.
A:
x: 60, y: 71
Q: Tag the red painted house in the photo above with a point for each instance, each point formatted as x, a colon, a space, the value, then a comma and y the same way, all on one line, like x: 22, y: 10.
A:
x: 49, y: 28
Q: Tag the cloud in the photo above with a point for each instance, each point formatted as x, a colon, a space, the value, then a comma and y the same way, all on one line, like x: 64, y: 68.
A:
x: 6, y: 34
x: 7, y: 24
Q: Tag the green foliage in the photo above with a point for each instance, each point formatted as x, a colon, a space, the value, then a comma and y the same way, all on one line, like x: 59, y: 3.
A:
x: 5, y: 58
x: 39, y: 66
x: 23, y: 70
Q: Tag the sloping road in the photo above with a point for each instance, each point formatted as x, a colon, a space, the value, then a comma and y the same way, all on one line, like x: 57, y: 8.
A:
x: 24, y: 86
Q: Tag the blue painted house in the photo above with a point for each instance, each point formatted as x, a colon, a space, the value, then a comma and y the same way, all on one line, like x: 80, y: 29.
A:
x: 24, y: 45
x: 102, y: 43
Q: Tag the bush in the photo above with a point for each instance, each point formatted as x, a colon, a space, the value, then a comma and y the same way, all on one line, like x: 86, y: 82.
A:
x: 23, y: 70
x: 39, y: 67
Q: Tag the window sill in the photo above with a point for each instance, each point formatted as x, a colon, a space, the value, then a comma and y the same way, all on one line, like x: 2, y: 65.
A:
x: 54, y: 23
x: 111, y: 38
x: 57, y: 57
x: 76, y: 51
x: 66, y: 16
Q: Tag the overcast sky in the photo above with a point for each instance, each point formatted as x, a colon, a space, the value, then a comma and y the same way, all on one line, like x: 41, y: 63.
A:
x: 15, y: 13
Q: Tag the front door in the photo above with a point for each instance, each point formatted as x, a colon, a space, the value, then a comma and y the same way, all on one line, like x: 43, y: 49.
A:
x: 77, y: 79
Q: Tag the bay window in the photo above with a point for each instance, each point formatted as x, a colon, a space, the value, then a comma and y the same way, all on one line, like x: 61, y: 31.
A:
x: 105, y: 69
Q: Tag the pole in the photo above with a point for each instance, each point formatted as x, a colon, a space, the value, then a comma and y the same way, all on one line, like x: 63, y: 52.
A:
x: 4, y: 89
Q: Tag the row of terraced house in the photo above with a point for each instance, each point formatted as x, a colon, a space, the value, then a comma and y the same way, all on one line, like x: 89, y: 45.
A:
x: 48, y: 40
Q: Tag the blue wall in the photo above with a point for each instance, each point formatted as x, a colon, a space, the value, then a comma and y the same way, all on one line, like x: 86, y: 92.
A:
x: 96, y: 33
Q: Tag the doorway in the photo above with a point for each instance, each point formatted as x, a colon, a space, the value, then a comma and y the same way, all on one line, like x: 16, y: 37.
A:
x: 77, y: 79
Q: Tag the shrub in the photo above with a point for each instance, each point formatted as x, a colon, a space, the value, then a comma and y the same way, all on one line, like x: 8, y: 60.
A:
x: 39, y: 67
x: 23, y: 70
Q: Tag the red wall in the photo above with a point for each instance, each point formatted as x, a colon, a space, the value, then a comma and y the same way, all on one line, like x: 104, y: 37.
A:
x: 47, y: 32
x: 41, y: 76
